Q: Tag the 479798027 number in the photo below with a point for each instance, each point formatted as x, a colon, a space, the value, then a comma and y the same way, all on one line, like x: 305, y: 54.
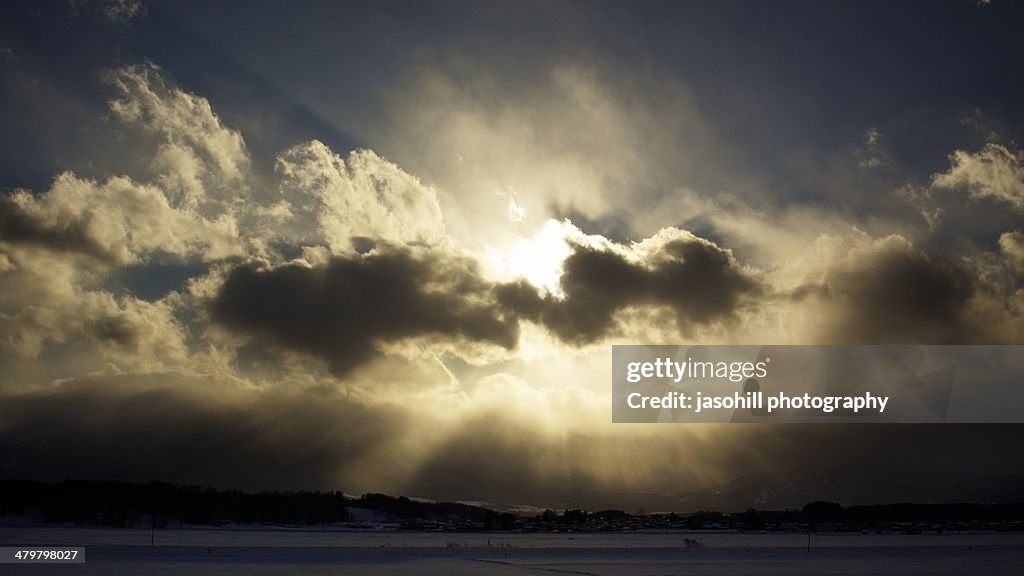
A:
x: 17, y: 555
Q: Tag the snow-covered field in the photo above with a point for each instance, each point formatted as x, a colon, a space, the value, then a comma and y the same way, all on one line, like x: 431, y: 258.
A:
x: 288, y: 552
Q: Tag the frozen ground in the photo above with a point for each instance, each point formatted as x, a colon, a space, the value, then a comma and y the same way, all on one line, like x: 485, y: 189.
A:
x: 284, y: 552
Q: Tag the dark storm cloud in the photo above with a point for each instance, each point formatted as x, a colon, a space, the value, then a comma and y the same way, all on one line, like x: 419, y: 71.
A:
x: 342, y: 310
x: 782, y: 466
x: 900, y: 295
x: 18, y: 226
x: 169, y: 427
x: 698, y: 281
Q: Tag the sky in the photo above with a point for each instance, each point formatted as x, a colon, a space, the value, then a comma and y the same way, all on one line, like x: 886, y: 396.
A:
x: 388, y: 246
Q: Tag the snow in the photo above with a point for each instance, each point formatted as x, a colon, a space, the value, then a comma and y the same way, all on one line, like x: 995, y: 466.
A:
x: 227, y: 552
